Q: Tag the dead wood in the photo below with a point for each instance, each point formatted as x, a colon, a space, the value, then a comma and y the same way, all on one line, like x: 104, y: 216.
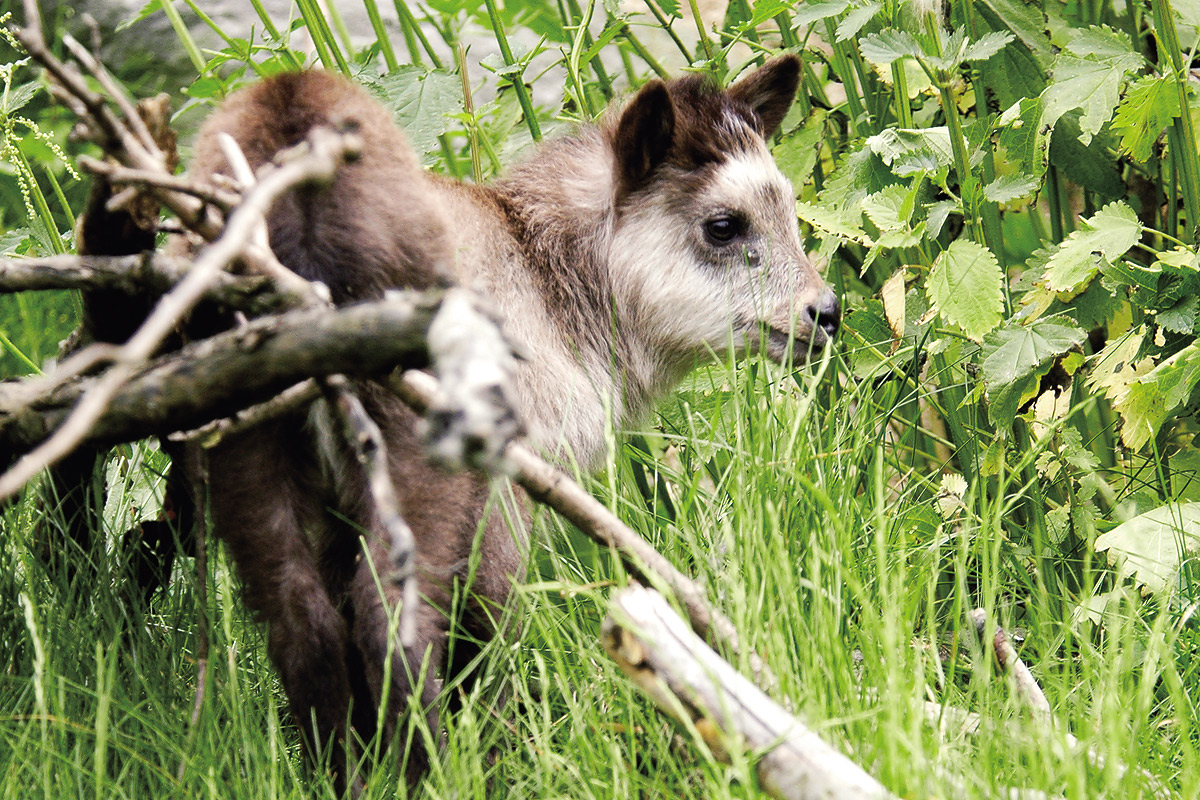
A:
x: 691, y: 683
x: 219, y: 376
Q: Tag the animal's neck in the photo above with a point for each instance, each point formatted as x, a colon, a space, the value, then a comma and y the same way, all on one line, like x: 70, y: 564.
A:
x: 559, y: 207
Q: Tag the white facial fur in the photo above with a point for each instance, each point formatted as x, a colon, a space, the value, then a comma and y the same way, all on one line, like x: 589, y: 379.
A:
x: 685, y: 294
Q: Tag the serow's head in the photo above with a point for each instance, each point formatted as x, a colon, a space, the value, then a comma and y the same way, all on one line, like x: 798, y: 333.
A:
x: 705, y: 236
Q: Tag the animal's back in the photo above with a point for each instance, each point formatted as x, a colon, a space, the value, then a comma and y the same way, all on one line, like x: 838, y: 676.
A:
x: 378, y: 207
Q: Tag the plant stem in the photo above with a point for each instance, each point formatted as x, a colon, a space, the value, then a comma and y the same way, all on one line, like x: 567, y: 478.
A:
x: 385, y: 43
x: 518, y: 82
x: 1182, y: 134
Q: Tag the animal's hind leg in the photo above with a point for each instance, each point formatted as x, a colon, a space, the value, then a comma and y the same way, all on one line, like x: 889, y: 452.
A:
x: 261, y: 506
x: 394, y: 674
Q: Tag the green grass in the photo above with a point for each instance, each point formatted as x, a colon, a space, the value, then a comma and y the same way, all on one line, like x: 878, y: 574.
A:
x: 807, y: 503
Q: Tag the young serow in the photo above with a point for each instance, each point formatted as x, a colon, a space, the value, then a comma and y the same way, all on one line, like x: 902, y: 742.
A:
x: 617, y: 257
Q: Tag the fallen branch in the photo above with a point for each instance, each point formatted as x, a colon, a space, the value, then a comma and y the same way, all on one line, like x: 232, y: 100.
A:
x: 691, y: 683
x: 221, y: 375
x: 145, y: 273
x: 314, y: 160
x: 1032, y: 696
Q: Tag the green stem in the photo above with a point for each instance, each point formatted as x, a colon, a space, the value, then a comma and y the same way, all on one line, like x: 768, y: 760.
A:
x: 185, y: 36
x: 1183, y: 140
x: 968, y: 184
x: 469, y: 106
x: 518, y: 83
x: 643, y: 53
x: 786, y: 34
x: 665, y: 24
x: 704, y: 41
x: 385, y: 43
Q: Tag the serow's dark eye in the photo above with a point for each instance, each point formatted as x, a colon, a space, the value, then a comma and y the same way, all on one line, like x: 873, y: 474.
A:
x: 722, y: 230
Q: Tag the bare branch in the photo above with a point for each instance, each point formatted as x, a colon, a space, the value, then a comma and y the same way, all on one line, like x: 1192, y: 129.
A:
x: 288, y: 401
x: 117, y: 93
x: 223, y: 374
x: 371, y: 452
x: 1009, y: 662
x: 148, y: 272
x: 215, y: 195
x: 691, y: 683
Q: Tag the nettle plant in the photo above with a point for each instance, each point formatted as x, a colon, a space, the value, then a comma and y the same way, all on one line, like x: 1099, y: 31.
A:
x: 1013, y: 191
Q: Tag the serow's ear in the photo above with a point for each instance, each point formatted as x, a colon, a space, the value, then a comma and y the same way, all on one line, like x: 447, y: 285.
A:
x: 644, y: 136
x: 769, y: 91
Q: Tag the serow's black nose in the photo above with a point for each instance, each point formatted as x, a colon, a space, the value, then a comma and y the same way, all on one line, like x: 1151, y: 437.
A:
x: 826, y: 313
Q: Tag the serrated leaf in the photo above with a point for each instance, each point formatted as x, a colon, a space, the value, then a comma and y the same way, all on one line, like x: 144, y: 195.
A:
x: 986, y: 46
x: 1153, y: 398
x: 1016, y: 356
x: 1181, y: 317
x: 853, y: 22
x: 18, y: 96
x: 1010, y: 187
x: 911, y: 151
x: 868, y: 339
x: 1117, y: 366
x: 882, y: 48
x: 965, y: 286
x: 1088, y: 76
x: 889, y: 208
x: 1027, y: 22
x: 938, y: 214
x: 1024, y: 139
x: 833, y: 223
x: 766, y: 9
x: 146, y: 11
x: 1091, y: 165
x: 420, y: 101
x: 1151, y: 546
x: 1108, y: 234
x: 806, y: 14
x: 1150, y: 105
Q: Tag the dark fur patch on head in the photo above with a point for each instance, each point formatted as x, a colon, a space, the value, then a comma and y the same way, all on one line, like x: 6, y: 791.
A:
x: 710, y: 124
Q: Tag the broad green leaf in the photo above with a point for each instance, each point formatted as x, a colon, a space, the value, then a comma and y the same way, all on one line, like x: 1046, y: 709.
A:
x: 908, y: 152
x: 420, y: 101
x: 765, y: 10
x: 853, y: 22
x: 867, y: 338
x: 882, y: 48
x: 965, y: 287
x: 832, y: 222
x: 1026, y: 21
x: 1010, y: 187
x: 1181, y: 317
x: 806, y: 14
x: 1023, y: 139
x: 1150, y: 105
x: 986, y: 46
x: 890, y: 207
x: 796, y: 154
x: 1108, y: 234
x: 1088, y: 76
x: 1016, y: 356
x: 1153, y: 398
x: 1091, y: 165
x: 1150, y: 547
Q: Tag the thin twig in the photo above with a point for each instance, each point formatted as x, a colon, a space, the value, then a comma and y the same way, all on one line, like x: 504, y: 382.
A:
x: 288, y: 401
x: 215, y: 195
x: 365, y: 438
x: 132, y: 118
